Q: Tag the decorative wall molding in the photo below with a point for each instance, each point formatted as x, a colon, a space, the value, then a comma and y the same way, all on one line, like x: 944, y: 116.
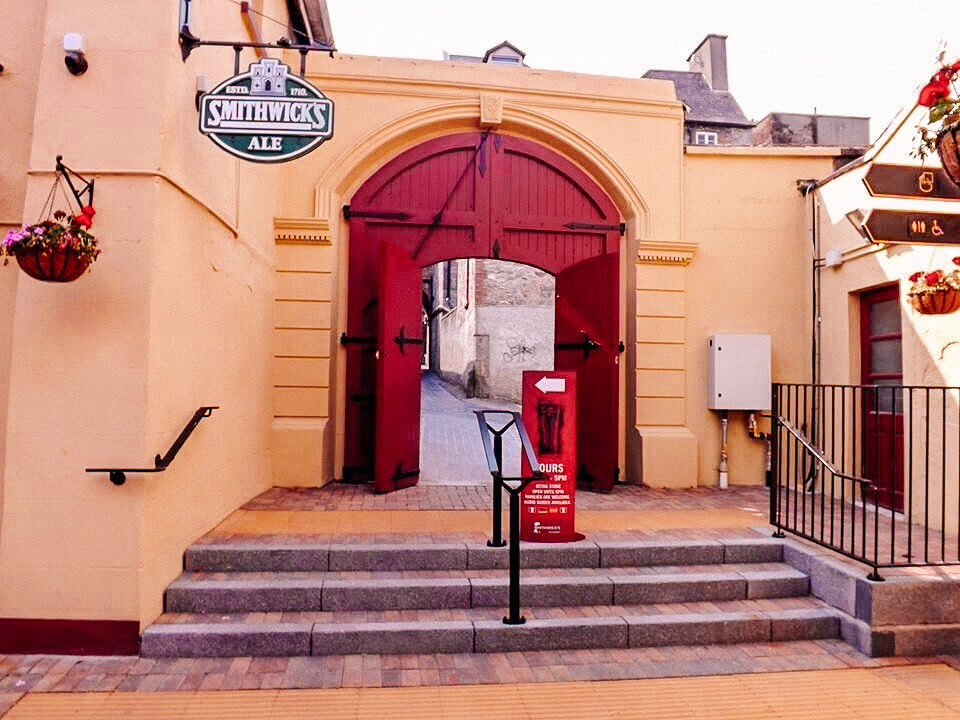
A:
x: 666, y: 253
x: 302, y: 231
x: 491, y: 110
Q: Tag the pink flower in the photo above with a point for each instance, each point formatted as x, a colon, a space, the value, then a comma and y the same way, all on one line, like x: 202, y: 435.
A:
x: 916, y: 276
x: 932, y: 278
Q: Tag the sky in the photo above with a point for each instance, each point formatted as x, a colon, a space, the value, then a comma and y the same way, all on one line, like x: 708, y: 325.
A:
x: 845, y: 57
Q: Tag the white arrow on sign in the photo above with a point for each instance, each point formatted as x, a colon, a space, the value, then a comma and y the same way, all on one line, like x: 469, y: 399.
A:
x: 546, y: 385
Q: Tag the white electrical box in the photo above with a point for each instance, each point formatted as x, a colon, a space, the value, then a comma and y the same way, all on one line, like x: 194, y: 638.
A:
x: 739, y: 370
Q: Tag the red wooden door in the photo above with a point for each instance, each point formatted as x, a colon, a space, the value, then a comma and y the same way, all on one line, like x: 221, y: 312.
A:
x: 485, y: 196
x: 882, y: 404
x: 588, y: 342
x: 399, y: 345
x: 549, y: 213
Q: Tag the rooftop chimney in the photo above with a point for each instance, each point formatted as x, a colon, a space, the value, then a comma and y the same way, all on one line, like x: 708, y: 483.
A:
x: 710, y: 58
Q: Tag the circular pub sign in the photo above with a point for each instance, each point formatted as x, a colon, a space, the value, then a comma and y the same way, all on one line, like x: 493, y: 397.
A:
x: 266, y: 114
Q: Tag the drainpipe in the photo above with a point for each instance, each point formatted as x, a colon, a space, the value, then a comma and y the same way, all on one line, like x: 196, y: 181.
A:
x: 724, y: 422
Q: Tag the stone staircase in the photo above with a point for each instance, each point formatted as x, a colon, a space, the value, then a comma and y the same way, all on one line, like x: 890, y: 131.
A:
x: 290, y: 599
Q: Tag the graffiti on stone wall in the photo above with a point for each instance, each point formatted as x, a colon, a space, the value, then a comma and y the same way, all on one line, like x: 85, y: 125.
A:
x: 518, y: 351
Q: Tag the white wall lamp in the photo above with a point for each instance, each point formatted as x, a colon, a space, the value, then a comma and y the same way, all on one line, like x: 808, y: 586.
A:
x: 203, y: 87
x: 74, y: 45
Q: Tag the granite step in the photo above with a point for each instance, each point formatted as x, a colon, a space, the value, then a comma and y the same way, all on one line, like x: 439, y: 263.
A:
x: 575, y: 629
x: 252, y: 556
x: 237, y: 592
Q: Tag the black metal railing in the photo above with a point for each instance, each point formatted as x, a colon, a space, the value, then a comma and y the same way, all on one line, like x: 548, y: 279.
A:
x: 869, y: 471
x: 493, y: 449
x: 118, y: 476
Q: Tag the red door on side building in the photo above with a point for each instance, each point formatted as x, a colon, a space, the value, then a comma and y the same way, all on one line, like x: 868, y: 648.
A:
x: 477, y: 195
x: 882, y: 405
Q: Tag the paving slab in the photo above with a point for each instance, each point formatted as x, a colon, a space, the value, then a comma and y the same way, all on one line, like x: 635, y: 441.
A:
x: 255, y: 557
x: 236, y: 596
x: 551, y: 634
x: 393, y: 638
x: 543, y: 591
x: 582, y: 554
x: 697, y: 629
x: 396, y: 594
x: 641, y: 553
x: 691, y: 587
x: 226, y: 640
x: 399, y: 556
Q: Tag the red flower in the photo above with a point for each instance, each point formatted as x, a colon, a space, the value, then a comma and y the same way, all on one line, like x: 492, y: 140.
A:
x: 939, y: 86
x: 916, y: 276
x: 83, y: 221
x: 932, y: 278
x: 88, y: 211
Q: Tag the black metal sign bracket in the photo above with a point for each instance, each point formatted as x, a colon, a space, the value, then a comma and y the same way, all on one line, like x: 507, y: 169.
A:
x: 69, y: 175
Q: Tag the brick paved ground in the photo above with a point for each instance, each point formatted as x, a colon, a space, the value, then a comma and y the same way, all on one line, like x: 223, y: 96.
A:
x: 21, y: 674
x: 339, y: 496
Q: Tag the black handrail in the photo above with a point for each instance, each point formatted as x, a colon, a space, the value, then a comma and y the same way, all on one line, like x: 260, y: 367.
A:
x: 160, y: 463
x: 868, y: 471
x: 514, y: 486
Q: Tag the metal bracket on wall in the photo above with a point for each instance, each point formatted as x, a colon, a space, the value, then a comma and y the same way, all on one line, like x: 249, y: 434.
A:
x: 160, y: 463
x: 69, y: 175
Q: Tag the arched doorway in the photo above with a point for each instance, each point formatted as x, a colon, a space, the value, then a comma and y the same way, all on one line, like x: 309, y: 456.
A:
x: 479, y: 195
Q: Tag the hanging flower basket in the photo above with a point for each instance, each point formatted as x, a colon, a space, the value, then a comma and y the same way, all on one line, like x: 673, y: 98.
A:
x: 52, y: 265
x: 58, y: 250
x: 940, y: 302
x: 936, y: 292
x: 941, y: 129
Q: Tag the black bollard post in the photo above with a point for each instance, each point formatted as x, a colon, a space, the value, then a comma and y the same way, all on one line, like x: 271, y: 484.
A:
x: 515, y: 618
x: 497, y: 540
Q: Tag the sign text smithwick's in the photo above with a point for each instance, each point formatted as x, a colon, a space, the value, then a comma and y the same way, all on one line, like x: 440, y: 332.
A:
x: 266, y: 114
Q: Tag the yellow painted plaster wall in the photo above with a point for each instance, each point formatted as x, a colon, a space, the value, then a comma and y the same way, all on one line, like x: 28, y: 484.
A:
x: 175, y: 314
x: 20, y: 39
x: 751, y: 274
x: 930, y: 346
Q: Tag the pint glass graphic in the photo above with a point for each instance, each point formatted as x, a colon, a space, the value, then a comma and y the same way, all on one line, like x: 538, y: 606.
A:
x: 549, y: 425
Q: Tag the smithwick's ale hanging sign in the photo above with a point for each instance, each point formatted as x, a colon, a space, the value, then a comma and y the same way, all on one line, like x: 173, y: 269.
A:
x: 266, y: 114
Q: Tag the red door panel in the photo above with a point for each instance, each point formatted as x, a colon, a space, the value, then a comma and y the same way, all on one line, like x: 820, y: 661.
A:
x: 399, y: 344
x: 586, y: 315
x: 882, y: 405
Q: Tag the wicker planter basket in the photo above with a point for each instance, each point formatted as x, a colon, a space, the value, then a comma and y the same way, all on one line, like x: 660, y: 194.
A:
x: 52, y: 265
x: 939, y: 302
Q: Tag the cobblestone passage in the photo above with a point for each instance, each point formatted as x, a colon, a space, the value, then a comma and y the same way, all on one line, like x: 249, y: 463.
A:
x: 450, y: 448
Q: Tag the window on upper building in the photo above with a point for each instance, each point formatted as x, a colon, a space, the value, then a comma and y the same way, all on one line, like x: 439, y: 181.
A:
x: 451, y: 273
x: 704, y: 137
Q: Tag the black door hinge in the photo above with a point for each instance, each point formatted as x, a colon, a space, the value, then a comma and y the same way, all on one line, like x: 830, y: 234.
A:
x: 587, y: 345
x: 402, y: 340
x: 354, y: 340
x: 377, y: 214
x: 620, y: 227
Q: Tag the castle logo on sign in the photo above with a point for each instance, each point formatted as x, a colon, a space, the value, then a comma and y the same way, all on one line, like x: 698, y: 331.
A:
x: 266, y: 114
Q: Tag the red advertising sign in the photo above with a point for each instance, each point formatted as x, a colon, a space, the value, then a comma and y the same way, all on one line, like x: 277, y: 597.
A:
x: 550, y: 417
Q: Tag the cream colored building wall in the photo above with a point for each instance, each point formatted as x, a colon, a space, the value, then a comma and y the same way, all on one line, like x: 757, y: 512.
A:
x: 175, y: 314
x: 751, y: 274
x: 20, y: 40
x: 617, y: 129
x: 930, y: 345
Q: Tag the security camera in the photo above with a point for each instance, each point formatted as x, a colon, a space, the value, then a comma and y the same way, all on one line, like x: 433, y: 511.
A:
x: 74, y: 46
